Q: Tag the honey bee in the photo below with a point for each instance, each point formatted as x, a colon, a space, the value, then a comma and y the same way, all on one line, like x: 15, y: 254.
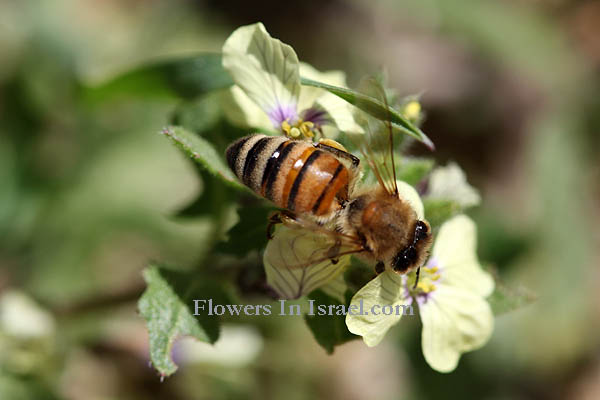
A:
x: 317, y: 186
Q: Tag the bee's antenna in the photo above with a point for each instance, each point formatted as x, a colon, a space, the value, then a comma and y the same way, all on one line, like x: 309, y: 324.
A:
x: 417, y: 280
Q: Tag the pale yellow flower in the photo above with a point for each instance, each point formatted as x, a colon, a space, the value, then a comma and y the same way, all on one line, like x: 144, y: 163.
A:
x: 451, y: 297
x: 268, y: 95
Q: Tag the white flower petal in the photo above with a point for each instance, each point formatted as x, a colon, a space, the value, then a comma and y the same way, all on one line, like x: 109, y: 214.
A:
x: 454, y: 321
x: 240, y: 110
x: 340, y: 112
x: 310, y: 94
x: 384, y: 290
x: 264, y: 67
x: 455, y: 251
x: 291, y: 264
x: 450, y: 183
x: 408, y: 193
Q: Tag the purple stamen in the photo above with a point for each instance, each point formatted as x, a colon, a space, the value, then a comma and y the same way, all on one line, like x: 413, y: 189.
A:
x: 316, y: 115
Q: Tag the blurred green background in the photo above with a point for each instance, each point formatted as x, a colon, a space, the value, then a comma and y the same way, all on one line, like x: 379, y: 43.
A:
x: 88, y: 188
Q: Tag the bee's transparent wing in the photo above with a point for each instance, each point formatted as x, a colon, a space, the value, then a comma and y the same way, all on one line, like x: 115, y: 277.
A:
x: 377, y: 144
x: 299, y: 260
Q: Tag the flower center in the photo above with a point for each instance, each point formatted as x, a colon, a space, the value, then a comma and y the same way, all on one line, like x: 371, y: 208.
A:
x: 429, y: 278
x: 299, y: 129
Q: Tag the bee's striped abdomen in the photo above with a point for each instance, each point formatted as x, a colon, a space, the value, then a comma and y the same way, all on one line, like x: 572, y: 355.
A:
x: 291, y: 173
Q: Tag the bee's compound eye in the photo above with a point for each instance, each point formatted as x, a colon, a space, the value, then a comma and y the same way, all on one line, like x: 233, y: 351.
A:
x: 400, y: 264
x: 411, y: 254
x: 405, y: 259
x: 421, y: 230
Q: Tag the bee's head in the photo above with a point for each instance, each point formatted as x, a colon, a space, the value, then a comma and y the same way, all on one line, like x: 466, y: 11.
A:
x: 415, y: 253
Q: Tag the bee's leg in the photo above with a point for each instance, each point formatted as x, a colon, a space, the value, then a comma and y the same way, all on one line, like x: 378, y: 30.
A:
x: 334, y: 252
x: 275, y: 218
x: 417, y: 278
x: 320, y: 130
x: 355, y: 161
x: 380, y: 267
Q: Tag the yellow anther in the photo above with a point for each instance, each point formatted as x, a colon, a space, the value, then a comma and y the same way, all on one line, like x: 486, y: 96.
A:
x: 412, y: 110
x: 333, y: 143
x: 286, y: 127
x: 426, y: 287
x: 300, y: 128
x: 431, y: 270
x: 295, y: 132
x: 435, y: 277
x: 305, y: 129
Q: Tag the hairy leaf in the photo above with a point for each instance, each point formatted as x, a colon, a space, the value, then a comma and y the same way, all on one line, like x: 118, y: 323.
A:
x: 167, y: 306
x: 202, y: 152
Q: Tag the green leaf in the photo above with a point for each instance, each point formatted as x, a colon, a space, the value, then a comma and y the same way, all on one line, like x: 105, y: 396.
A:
x: 376, y: 108
x: 186, y: 77
x: 250, y: 233
x: 437, y: 211
x: 199, y: 115
x: 214, y: 198
x: 329, y: 330
x: 167, y: 306
x: 336, y: 288
x: 203, y: 153
x: 414, y: 170
x: 358, y: 275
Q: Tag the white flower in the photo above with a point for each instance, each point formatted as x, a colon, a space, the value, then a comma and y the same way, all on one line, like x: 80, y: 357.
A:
x: 451, y: 295
x: 450, y: 183
x: 268, y: 93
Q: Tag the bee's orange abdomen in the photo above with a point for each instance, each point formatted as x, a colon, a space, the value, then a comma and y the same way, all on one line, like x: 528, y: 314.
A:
x: 291, y: 173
